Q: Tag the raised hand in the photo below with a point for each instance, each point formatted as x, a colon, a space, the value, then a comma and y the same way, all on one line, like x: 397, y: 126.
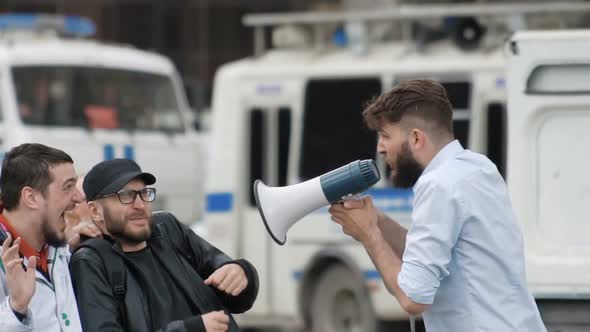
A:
x: 216, y: 321
x: 20, y: 283
x: 229, y: 278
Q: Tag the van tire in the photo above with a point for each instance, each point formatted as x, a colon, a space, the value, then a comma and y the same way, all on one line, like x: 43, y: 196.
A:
x: 341, y: 303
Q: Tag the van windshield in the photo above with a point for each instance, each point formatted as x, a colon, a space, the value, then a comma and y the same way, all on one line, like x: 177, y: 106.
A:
x: 100, y: 98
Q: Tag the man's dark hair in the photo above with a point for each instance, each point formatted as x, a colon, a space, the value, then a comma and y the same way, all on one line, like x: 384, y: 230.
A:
x: 424, y: 99
x: 28, y: 165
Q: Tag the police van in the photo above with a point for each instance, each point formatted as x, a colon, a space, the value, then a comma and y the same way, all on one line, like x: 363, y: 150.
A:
x: 98, y: 101
x: 549, y: 117
x: 293, y: 112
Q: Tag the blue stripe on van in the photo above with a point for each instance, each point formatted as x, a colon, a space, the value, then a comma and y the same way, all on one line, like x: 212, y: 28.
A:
x: 108, y: 152
x: 392, y: 199
x: 219, y: 202
x: 129, y: 152
x: 372, y: 275
x: 368, y: 275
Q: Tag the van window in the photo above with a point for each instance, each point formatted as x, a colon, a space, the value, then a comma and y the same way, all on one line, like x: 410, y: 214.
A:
x: 284, y: 142
x: 559, y: 79
x: 96, y: 98
x: 496, y: 142
x: 270, y: 136
x: 257, y: 139
x: 459, y: 94
x: 333, y: 130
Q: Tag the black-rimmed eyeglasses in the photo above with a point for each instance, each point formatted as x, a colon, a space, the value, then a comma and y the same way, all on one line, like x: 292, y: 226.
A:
x: 128, y: 196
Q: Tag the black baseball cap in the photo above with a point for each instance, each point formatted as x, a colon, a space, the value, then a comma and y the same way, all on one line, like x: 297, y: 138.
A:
x: 109, y: 176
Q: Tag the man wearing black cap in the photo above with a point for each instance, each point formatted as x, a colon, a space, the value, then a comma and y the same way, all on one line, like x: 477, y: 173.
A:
x: 151, y: 272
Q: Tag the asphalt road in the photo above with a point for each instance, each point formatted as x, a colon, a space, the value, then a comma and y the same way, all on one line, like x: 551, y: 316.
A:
x: 404, y: 327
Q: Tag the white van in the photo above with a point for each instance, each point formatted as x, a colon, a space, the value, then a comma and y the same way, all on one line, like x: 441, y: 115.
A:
x: 290, y: 114
x: 548, y: 163
x: 98, y: 101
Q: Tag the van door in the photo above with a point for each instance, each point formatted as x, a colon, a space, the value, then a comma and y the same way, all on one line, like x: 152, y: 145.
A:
x: 548, y: 163
x: 269, y: 139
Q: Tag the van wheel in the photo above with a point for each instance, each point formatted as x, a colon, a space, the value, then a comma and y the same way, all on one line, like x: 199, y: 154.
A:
x: 340, y: 303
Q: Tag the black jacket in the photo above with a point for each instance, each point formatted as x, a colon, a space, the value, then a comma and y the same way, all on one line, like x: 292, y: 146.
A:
x: 186, y: 256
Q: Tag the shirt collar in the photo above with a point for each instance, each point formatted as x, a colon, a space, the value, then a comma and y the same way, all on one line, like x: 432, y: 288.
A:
x: 25, y: 249
x: 448, y: 152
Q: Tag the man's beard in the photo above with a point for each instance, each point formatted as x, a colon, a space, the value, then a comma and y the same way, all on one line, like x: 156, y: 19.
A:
x: 408, y: 169
x: 53, y: 237
x: 116, y: 227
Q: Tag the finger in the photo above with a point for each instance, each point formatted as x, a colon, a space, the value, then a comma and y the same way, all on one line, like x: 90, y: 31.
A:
x: 223, y: 328
x: 353, y: 203
x: 210, y: 280
x: 234, y: 285
x: 222, y: 318
x: 336, y: 220
x: 12, y: 263
x: 32, y: 265
x: 334, y: 208
x: 227, y: 281
x: 6, y: 243
x: 240, y: 287
x: 12, y: 252
x: 86, y: 231
x: 339, y: 217
x: 94, y: 230
x: 340, y: 211
x: 219, y: 327
x: 74, y: 241
x: 368, y: 200
x: 215, y: 279
x: 219, y: 276
x: 218, y: 317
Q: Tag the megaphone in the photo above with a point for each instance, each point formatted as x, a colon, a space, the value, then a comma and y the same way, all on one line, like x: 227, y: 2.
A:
x: 281, y: 207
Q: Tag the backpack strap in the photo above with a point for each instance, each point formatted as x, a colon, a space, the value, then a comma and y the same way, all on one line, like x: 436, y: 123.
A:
x: 115, y: 268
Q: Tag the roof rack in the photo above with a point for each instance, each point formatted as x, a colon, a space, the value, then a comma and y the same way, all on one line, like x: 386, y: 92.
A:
x: 402, y: 12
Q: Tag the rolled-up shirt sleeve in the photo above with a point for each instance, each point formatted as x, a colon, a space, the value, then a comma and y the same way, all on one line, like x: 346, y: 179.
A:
x: 436, y: 224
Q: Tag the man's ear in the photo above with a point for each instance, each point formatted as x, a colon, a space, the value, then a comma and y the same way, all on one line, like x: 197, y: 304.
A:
x: 30, y: 198
x: 96, y: 214
x: 417, y: 139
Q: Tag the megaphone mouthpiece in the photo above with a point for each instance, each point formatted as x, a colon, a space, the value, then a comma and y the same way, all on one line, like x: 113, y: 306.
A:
x: 353, y: 178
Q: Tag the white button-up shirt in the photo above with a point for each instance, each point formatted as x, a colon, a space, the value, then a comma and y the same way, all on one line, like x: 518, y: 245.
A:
x: 464, y: 250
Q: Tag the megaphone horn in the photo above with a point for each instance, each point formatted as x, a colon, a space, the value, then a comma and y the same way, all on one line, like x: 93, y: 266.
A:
x: 281, y: 207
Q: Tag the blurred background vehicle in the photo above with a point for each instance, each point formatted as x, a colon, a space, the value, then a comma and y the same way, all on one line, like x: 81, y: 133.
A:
x: 292, y: 112
x: 98, y: 101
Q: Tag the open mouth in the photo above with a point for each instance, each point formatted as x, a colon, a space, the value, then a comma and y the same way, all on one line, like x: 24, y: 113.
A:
x: 68, y: 210
x: 139, y: 221
x: 62, y: 220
